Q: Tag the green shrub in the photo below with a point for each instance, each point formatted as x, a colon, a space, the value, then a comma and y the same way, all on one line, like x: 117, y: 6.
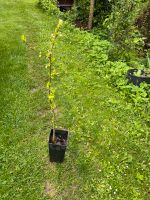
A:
x: 127, y: 41
x: 49, y: 5
x: 143, y: 24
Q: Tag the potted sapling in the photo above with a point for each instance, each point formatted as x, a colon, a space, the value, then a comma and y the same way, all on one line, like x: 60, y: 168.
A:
x: 58, y: 137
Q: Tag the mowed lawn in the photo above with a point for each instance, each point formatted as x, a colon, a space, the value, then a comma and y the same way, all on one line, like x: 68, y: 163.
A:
x: 108, y: 154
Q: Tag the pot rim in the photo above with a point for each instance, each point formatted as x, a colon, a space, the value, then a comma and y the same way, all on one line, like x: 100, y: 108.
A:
x: 59, y: 129
x: 131, y: 73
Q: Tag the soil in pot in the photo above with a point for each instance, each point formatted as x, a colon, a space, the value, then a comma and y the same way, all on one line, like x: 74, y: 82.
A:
x: 146, y: 73
x: 57, y: 149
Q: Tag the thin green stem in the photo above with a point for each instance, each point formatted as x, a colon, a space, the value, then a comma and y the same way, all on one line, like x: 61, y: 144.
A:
x: 50, y: 57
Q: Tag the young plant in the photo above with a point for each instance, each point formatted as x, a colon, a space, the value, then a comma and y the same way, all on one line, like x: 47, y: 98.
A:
x: 138, y: 73
x: 51, y: 73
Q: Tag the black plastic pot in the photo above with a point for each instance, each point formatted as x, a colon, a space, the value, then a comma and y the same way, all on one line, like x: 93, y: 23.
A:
x: 135, y: 79
x: 65, y: 5
x: 57, y: 150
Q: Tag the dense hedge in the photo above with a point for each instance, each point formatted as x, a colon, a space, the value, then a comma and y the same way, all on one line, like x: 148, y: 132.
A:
x: 126, y: 37
x: 143, y: 23
x: 102, y: 10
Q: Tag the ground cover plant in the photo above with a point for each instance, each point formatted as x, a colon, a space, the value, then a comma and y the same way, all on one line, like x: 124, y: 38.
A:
x: 115, y: 72
x: 108, y: 155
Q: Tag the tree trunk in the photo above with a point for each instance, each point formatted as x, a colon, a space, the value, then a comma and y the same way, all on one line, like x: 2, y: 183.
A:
x: 91, y: 13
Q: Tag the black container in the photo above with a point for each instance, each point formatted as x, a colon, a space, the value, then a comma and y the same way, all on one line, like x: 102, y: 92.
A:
x: 136, y: 80
x: 65, y: 5
x: 57, y: 150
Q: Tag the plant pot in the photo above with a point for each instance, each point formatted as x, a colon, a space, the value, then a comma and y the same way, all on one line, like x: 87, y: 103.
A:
x: 65, y: 5
x: 57, y: 150
x: 136, y: 80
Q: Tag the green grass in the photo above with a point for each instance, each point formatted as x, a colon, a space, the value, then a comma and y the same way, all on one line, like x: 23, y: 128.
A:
x: 107, y: 156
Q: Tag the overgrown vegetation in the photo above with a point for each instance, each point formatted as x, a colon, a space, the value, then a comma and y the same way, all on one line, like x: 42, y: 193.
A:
x: 127, y: 41
x: 102, y: 10
x: 115, y: 72
x: 122, y: 49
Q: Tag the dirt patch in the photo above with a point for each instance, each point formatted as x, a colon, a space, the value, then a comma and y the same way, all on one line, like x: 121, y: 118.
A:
x: 43, y: 113
x: 50, y: 190
x: 36, y: 89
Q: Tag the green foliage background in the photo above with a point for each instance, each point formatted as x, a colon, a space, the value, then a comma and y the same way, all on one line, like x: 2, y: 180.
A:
x: 125, y: 36
x: 102, y: 10
x: 118, y: 44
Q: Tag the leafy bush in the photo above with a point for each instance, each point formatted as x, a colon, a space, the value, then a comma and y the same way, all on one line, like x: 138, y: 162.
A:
x: 127, y: 41
x: 49, y: 6
x: 143, y: 24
